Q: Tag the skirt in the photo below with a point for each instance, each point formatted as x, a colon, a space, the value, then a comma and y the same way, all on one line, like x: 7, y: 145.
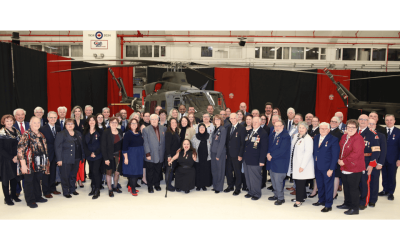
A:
x: 185, y: 178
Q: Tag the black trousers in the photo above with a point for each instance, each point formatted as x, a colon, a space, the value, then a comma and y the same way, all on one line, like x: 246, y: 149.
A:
x: 244, y: 181
x: 264, y: 176
x: 32, y: 189
x: 49, y: 180
x: 132, y: 183
x: 68, y: 177
x: 6, y: 189
x: 95, y: 172
x: 153, y: 171
x: 351, y: 189
x: 300, y: 190
x: 233, y: 165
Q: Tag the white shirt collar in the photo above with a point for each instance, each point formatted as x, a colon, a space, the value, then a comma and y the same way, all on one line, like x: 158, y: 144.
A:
x: 255, y: 130
x: 363, y: 129
x: 51, y: 127
x: 390, y: 128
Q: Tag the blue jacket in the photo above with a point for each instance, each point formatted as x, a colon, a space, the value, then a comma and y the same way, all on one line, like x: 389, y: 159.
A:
x: 256, y: 147
x: 16, y: 125
x: 393, y: 146
x: 326, y: 156
x: 371, y: 142
x: 279, y: 149
x: 92, y: 146
x: 218, y: 142
x: 382, y: 143
x: 48, y: 134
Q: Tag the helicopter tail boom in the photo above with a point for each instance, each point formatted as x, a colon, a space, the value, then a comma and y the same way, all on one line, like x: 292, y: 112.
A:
x: 345, y: 94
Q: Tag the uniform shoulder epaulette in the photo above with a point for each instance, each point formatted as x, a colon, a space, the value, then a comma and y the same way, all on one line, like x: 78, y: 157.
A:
x: 373, y: 131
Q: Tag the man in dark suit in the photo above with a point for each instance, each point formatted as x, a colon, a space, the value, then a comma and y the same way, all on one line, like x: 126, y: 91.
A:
x: 234, y: 151
x: 192, y: 111
x: 326, y: 155
x: 124, y: 115
x: 308, y: 119
x: 255, y: 151
x: 39, y: 112
x: 341, y: 125
x: 227, y: 123
x: 182, y: 112
x: 314, y: 130
x: 88, y: 111
x: 376, y: 172
x: 289, y: 122
x: 106, y: 115
x: 268, y: 112
x: 243, y: 107
x: 62, y: 112
x: 392, y: 162
x: 50, y: 131
x: 379, y: 128
x: 335, y: 131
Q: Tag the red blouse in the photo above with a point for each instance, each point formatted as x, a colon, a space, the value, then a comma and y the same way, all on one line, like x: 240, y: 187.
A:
x: 352, y: 153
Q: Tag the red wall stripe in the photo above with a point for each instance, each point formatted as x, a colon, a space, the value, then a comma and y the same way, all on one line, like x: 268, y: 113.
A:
x: 126, y: 73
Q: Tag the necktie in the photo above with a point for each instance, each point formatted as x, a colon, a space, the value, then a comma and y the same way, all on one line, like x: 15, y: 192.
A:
x: 54, y: 132
x: 290, y: 125
x: 359, y: 132
x: 62, y: 125
x: 233, y: 128
x: 320, y: 141
x: 388, y: 131
x: 22, y: 129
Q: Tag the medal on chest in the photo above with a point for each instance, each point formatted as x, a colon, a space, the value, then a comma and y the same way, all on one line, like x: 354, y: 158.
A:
x: 236, y: 134
x: 277, y: 142
x: 394, y: 136
x: 95, y: 137
x: 326, y: 144
x: 257, y: 140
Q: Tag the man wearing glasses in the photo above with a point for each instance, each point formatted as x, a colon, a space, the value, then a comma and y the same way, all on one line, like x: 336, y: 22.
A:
x: 335, y: 131
x: 372, y: 151
x: 341, y: 125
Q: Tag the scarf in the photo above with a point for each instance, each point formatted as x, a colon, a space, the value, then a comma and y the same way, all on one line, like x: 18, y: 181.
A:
x: 7, y: 134
x: 205, y: 135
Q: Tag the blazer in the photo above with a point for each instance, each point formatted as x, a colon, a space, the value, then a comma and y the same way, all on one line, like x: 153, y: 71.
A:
x: 50, y: 139
x: 235, y: 141
x: 218, y: 141
x: 293, y: 130
x: 172, y: 144
x: 279, y: 149
x: 43, y: 121
x: 255, y: 147
x: 286, y: 124
x: 352, y: 153
x: 80, y: 127
x: 393, y: 146
x: 371, y: 142
x: 58, y: 123
x: 337, y: 133
x: 196, y: 144
x: 16, y: 125
x: 93, y: 146
x: 342, y: 127
x: 64, y: 146
x: 107, y: 144
x: 190, y: 132
x: 327, y: 155
x: 302, y: 158
x: 381, y: 129
x: 152, y: 146
x: 313, y: 133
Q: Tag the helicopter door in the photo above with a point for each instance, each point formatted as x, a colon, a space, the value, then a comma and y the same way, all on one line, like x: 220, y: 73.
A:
x: 177, y: 101
x: 153, y: 106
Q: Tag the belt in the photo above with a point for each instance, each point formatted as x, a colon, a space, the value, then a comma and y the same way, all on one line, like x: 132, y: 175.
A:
x: 186, y: 166
x: 367, y: 154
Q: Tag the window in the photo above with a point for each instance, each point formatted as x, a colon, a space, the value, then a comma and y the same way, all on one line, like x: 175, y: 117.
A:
x: 37, y: 47
x: 323, y: 54
x: 146, y: 51
x: 57, y: 50
x: 162, y: 50
x: 156, y: 50
x: 297, y: 52
x: 282, y: 52
x: 394, y: 55
x: 338, y: 54
x: 312, y: 53
x: 163, y: 104
x: 349, y: 54
x: 257, y: 52
x: 364, y: 55
x: 206, y: 51
x: 378, y: 54
x: 76, y: 50
x: 132, y: 51
x: 268, y: 53
x: 177, y: 102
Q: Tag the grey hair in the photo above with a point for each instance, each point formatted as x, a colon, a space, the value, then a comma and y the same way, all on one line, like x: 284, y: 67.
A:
x: 62, y: 107
x: 51, y: 112
x: 303, y: 124
x: 390, y: 115
x: 135, y: 114
x: 279, y: 117
x: 37, y: 109
x: 88, y: 106
x: 105, y: 108
x: 325, y: 124
x: 15, y: 111
x: 255, y: 110
x: 337, y: 119
x: 339, y: 112
x: 234, y: 114
x: 290, y: 109
x: 154, y: 115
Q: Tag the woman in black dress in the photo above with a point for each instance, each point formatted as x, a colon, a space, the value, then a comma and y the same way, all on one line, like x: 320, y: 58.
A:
x: 9, y: 137
x: 77, y: 115
x: 185, y: 173
x: 202, y: 144
x: 172, y: 144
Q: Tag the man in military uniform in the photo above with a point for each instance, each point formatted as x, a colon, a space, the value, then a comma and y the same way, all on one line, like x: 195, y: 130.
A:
x: 376, y: 172
x: 371, y: 156
x: 335, y: 130
x: 379, y: 128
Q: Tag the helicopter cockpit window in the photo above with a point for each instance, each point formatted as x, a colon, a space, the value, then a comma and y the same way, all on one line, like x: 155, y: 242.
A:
x: 176, y: 103
x: 163, y: 104
x: 218, y: 100
x: 197, y: 100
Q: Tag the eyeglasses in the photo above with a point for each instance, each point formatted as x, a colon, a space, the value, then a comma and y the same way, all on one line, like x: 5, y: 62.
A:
x: 363, y: 119
x: 133, y: 123
x: 114, y: 122
x: 351, y: 127
x: 372, y: 124
x: 263, y: 119
x: 69, y: 124
x: 334, y: 121
x: 52, y: 117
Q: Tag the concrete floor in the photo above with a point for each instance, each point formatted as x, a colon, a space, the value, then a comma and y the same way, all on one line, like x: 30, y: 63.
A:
x: 197, y: 205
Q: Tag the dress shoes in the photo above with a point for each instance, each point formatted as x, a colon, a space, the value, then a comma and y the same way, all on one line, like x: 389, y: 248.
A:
x: 351, y: 212
x: 290, y: 189
x: 326, y: 209
x: 16, y: 199
x: 48, y: 196
x: 187, y: 191
x: 236, y: 193
x: 279, y: 202
x: 117, y: 190
x: 255, y: 198
x: 198, y: 189
x: 212, y: 189
x: 390, y: 197
x: 75, y: 193
x: 119, y: 186
x: 91, y: 192
x: 361, y: 207
x: 269, y: 180
x: 318, y: 204
x: 217, y: 192
x: 245, y: 189
x: 293, y: 193
x: 312, y: 196
x: 343, y: 206
x: 383, y: 193
x: 32, y: 205
x: 17, y: 194
x: 158, y: 188
x: 177, y: 190
x: 137, y: 185
x: 56, y: 192
x: 270, y: 188
x: 151, y: 190
x: 96, y: 194
x: 272, y: 198
x: 204, y: 188
x: 172, y: 189
x: 68, y: 196
x: 335, y: 196
x: 371, y: 204
x: 228, y: 189
x: 248, y: 196
x: 298, y: 204
x: 110, y: 193
x: 8, y: 202
x: 42, y: 200
x: 293, y: 200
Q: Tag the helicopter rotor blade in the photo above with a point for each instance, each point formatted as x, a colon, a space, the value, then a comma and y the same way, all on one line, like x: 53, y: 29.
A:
x: 372, y: 77
x: 201, y: 73
x: 114, y: 60
x: 105, y: 67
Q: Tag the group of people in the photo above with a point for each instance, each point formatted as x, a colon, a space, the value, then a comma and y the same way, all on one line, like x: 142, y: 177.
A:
x: 192, y: 153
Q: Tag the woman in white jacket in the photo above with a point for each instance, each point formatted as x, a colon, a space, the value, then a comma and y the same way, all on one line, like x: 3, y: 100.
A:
x: 301, y: 161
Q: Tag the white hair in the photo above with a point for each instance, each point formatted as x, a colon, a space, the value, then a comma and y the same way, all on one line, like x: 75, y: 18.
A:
x: 135, y: 114
x: 303, y: 124
x: 38, y: 109
x: 337, y: 119
x: 62, y: 107
x: 255, y: 110
x: 105, y: 108
x: 15, y: 111
x: 51, y: 112
x: 279, y: 117
x: 88, y: 106
x: 154, y: 115
x: 259, y: 118
x: 325, y: 124
x: 339, y: 113
x: 291, y: 109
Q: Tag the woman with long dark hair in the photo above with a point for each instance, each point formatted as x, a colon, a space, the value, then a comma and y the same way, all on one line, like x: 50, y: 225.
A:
x: 172, y: 144
x: 186, y: 130
x: 201, y: 142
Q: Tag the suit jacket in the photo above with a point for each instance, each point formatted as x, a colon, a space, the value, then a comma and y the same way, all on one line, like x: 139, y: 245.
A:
x: 327, y: 155
x: 151, y: 144
x: 58, y: 123
x: 235, y: 142
x: 44, y: 121
x: 313, y: 134
x: 393, y: 146
x: 218, y: 142
x: 256, y: 147
x: 16, y: 125
x: 93, y: 146
x: 81, y: 126
x: 50, y: 139
x: 286, y: 124
x: 371, y: 142
x: 337, y: 133
x: 279, y: 149
x: 266, y: 128
x: 342, y: 127
x: 381, y: 129
x: 107, y: 144
x: 64, y: 146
